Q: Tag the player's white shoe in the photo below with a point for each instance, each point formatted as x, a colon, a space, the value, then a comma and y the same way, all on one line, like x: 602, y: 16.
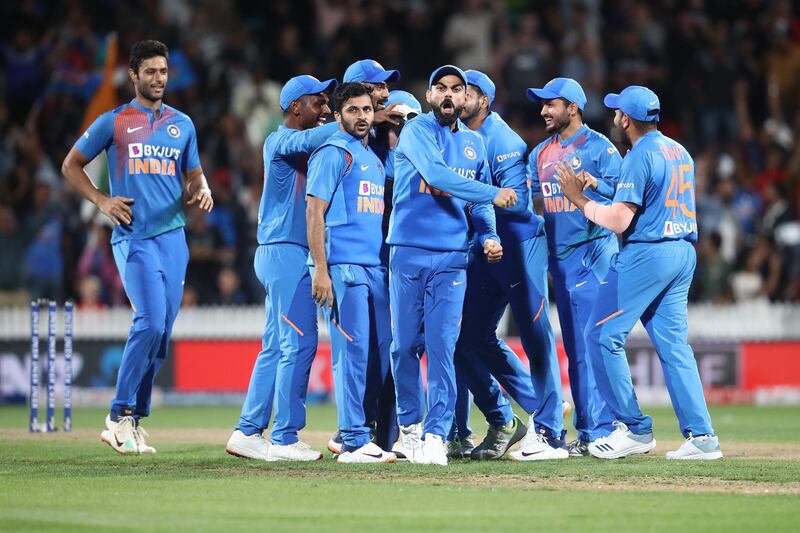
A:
x: 299, y: 451
x: 411, y: 442
x: 254, y: 446
x: 140, y: 433
x: 434, y: 450
x: 621, y: 443
x: 335, y: 443
x: 120, y: 435
x: 369, y: 453
x: 704, y: 447
x: 534, y: 447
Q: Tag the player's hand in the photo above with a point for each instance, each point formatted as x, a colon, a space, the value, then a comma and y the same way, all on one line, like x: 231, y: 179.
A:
x: 571, y: 185
x: 389, y: 115
x: 493, y: 251
x: 203, y: 199
x: 322, y: 287
x: 117, y: 209
x: 588, y: 180
x: 505, y: 198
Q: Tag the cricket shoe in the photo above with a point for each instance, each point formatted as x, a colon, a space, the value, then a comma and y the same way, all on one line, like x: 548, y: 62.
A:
x: 335, y: 443
x: 139, y: 433
x: 622, y: 442
x: 253, y: 446
x: 434, y: 450
x: 578, y: 448
x: 535, y: 447
x: 460, y: 448
x: 411, y: 443
x: 299, y: 451
x: 369, y: 453
x: 397, y: 449
x: 120, y: 435
x: 499, y: 439
x: 703, y: 447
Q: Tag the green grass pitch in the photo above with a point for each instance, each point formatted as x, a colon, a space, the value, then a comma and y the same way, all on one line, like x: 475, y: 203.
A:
x: 69, y: 482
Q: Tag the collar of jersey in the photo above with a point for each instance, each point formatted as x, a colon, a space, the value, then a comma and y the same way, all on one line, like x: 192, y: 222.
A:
x: 140, y: 107
x: 571, y: 139
x: 647, y: 135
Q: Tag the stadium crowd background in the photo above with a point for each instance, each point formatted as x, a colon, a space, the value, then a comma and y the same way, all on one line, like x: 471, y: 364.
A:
x: 727, y: 73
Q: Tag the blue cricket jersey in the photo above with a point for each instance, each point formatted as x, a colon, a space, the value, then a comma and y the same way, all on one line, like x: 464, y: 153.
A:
x: 658, y: 176
x: 587, y: 150
x: 437, y: 172
x: 149, y: 154
x: 350, y: 177
x: 505, y: 152
x: 282, y: 211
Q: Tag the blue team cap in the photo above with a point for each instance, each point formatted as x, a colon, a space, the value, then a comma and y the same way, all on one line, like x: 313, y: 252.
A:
x: 406, y: 102
x: 303, y: 85
x: 483, y: 82
x: 639, y: 103
x: 370, y: 71
x: 566, y: 88
x: 443, y: 71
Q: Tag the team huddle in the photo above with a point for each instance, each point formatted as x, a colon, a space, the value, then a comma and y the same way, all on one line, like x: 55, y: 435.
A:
x: 413, y: 232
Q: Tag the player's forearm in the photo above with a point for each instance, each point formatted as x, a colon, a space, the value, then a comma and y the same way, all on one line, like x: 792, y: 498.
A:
x: 615, y: 217
x: 196, y: 181
x: 73, y: 171
x: 440, y: 176
x: 315, y: 223
x: 483, y: 220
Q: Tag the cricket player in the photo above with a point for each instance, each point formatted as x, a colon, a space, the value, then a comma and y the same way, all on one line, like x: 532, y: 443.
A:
x: 654, y: 211
x: 519, y: 279
x: 379, y: 400
x: 152, y: 164
x: 345, y: 235
x: 440, y: 174
x: 281, y: 371
x: 580, y: 250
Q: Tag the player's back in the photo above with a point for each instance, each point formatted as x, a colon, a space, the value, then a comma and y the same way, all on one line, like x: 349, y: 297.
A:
x: 668, y: 208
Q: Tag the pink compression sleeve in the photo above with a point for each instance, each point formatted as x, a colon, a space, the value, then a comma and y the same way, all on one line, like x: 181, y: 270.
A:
x: 616, y: 217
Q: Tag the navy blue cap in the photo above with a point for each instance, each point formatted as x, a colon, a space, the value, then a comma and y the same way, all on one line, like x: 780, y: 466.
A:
x: 639, y: 103
x: 406, y: 101
x: 566, y: 88
x: 303, y: 85
x: 483, y: 82
x: 443, y: 71
x: 370, y: 71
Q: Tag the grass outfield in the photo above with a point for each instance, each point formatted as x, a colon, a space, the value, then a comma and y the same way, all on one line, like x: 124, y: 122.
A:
x: 73, y: 482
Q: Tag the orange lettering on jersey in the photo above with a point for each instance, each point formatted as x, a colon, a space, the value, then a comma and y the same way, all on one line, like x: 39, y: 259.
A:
x: 155, y: 166
x: 559, y: 204
x: 170, y: 170
x: 130, y: 166
x: 425, y: 188
x: 142, y: 166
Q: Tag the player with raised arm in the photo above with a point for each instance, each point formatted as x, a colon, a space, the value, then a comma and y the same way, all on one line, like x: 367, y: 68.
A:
x: 483, y: 360
x: 440, y: 175
x: 580, y: 250
x: 654, y: 211
x: 345, y: 235
x: 281, y: 371
x: 152, y: 164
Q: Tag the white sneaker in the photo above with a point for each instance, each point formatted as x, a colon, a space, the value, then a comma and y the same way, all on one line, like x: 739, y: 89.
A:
x: 411, y: 442
x: 534, y: 447
x: 120, y: 435
x: 434, y: 450
x: 299, y: 451
x: 254, y: 446
x: 140, y: 433
x: 399, y: 451
x: 621, y: 443
x: 704, y: 447
x: 369, y: 453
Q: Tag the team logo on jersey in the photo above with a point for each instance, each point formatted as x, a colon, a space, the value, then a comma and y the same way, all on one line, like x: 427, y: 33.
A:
x: 173, y: 131
x: 363, y: 188
x: 470, y: 152
x: 576, y: 162
x: 135, y: 150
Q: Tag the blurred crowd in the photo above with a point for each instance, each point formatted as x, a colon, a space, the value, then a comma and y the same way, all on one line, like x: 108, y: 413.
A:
x: 727, y: 73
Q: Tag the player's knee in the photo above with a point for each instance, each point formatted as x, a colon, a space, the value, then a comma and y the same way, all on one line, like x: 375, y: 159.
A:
x: 151, y: 325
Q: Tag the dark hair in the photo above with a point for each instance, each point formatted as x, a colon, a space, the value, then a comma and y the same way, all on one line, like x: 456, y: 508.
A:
x: 566, y: 104
x: 145, y: 50
x: 478, y: 89
x: 643, y: 125
x: 346, y: 91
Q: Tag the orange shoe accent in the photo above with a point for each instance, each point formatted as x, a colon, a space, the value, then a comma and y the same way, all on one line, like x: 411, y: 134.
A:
x: 609, y: 317
x: 293, y: 325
